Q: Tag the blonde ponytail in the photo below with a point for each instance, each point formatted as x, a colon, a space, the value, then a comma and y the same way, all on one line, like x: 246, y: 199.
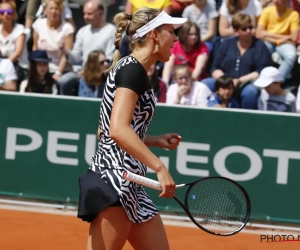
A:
x: 121, y: 21
x: 130, y: 24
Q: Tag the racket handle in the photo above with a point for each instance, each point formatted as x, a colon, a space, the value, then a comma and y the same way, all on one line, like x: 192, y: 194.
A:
x: 141, y: 180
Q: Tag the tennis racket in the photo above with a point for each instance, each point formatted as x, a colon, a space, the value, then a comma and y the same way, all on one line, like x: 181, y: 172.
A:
x: 217, y: 205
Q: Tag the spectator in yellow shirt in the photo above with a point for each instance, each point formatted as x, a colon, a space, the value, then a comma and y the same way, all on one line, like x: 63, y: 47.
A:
x: 133, y: 5
x: 278, y: 26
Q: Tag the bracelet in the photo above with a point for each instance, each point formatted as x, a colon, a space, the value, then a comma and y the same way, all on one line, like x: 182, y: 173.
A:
x: 277, y: 42
x: 57, y: 72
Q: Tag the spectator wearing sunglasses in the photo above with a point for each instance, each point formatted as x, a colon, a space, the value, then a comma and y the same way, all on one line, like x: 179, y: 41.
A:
x: 93, y: 78
x: 12, y: 39
x: 229, y: 8
x: 241, y: 57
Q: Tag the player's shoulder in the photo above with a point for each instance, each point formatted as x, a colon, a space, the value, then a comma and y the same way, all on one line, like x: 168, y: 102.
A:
x: 130, y: 64
x: 130, y: 68
x: 130, y: 73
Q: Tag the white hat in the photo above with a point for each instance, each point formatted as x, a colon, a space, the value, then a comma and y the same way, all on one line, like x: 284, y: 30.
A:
x: 267, y: 76
x: 162, y: 18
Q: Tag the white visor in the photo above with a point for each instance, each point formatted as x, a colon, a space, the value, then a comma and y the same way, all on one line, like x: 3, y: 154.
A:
x: 162, y: 18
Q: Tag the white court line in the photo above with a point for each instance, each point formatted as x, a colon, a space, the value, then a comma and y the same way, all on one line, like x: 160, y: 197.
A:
x: 38, y: 210
x: 168, y: 220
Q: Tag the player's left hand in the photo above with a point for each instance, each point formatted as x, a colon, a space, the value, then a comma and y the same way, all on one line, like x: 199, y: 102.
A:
x: 169, y: 141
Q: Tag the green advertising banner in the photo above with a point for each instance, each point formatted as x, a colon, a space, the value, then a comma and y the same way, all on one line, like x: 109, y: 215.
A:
x: 46, y: 143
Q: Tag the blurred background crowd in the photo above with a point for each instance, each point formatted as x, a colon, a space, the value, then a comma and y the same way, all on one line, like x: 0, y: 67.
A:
x: 230, y: 53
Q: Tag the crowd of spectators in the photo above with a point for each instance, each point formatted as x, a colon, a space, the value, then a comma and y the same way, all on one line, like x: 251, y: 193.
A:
x: 230, y: 54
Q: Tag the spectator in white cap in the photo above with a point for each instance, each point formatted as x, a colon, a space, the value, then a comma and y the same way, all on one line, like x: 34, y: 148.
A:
x: 272, y: 96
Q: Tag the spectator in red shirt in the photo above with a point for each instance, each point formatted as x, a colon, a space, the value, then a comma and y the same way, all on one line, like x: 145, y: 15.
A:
x: 188, y: 50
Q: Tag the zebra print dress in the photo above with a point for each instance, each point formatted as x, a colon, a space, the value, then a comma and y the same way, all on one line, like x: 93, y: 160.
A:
x: 110, y: 160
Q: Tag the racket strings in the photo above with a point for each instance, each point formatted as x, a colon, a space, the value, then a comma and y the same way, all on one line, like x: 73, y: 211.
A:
x: 217, y: 205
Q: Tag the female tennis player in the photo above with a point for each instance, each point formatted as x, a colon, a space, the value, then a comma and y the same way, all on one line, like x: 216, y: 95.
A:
x: 119, y: 210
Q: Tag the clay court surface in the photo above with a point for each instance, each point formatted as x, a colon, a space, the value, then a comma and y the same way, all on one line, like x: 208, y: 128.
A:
x: 22, y: 230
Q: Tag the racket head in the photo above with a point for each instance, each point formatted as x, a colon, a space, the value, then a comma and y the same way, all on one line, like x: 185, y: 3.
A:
x: 218, y: 205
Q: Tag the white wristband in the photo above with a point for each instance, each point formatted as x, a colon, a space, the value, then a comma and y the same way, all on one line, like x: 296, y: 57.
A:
x: 57, y: 72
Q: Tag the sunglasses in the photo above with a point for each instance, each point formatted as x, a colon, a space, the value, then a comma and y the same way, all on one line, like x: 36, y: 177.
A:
x: 250, y: 27
x: 8, y: 12
x: 102, y: 62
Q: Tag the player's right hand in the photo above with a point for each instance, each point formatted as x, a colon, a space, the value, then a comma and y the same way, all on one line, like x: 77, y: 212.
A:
x: 166, y: 182
x: 182, y: 89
